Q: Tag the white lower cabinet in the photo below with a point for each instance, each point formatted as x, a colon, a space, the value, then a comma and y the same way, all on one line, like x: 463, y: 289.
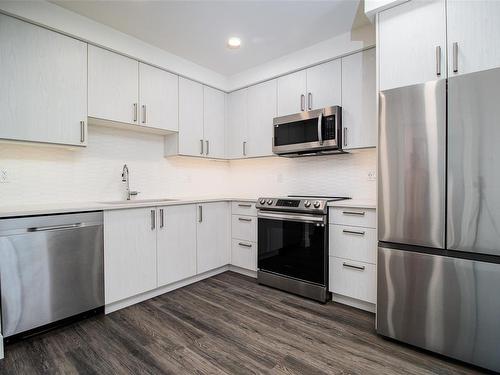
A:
x: 129, y: 253
x: 353, y: 279
x: 176, y: 243
x: 244, y: 235
x: 244, y: 254
x: 212, y: 234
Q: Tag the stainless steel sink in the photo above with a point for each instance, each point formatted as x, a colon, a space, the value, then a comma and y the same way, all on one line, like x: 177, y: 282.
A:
x: 138, y: 201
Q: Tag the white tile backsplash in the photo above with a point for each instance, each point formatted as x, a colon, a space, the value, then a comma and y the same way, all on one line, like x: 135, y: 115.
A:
x: 39, y: 174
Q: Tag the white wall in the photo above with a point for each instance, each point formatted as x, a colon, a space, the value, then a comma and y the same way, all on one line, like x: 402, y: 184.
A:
x: 41, y: 174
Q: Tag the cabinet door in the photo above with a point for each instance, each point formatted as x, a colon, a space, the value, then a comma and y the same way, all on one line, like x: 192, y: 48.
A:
x: 408, y: 37
x: 159, y: 98
x: 359, y: 100
x: 129, y: 253
x: 214, y: 107
x: 236, y: 129
x: 262, y: 109
x: 43, y: 77
x: 474, y: 26
x: 324, y: 87
x: 292, y: 93
x: 113, y: 86
x: 213, y: 236
x: 176, y: 243
x: 190, y: 118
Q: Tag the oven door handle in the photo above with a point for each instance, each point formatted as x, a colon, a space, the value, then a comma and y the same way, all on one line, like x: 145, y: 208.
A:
x: 311, y: 219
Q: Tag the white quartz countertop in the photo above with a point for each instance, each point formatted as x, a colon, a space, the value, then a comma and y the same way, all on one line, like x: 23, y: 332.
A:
x: 354, y: 203
x: 66, y: 207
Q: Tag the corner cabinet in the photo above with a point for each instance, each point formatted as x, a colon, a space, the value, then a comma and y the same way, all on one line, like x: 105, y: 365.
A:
x: 43, y: 76
x: 359, y: 100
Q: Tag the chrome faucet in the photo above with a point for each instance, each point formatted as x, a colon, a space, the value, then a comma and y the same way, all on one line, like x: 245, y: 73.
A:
x: 126, y: 179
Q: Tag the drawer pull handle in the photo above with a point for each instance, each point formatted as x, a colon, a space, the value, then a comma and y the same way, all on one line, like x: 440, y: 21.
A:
x: 361, y: 268
x: 244, y: 205
x: 244, y: 244
x: 353, y: 232
x: 353, y: 213
x: 244, y: 219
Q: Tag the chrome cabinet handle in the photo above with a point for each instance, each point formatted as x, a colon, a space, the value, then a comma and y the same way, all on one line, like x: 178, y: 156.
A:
x: 82, y: 131
x: 345, y: 136
x: 244, y: 205
x: 201, y: 146
x: 153, y: 219
x: 135, y: 112
x: 353, y: 213
x: 361, y: 233
x: 144, y: 109
x: 244, y: 244
x: 244, y: 148
x: 320, y: 128
x: 208, y: 147
x: 438, y: 61
x: 361, y: 268
x: 302, y: 102
x: 309, y: 101
x: 162, y: 219
x: 200, y: 214
x: 455, y: 57
x: 244, y: 219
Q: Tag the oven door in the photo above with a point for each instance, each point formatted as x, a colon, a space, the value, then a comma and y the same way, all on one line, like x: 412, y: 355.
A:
x: 293, y: 245
x: 308, y: 131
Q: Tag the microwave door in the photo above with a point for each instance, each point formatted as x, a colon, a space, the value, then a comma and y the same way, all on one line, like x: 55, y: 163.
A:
x: 296, y: 136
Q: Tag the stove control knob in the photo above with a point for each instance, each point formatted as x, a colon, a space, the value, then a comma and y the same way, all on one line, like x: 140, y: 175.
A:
x: 317, y: 204
x: 307, y: 204
x: 270, y: 202
x: 262, y: 201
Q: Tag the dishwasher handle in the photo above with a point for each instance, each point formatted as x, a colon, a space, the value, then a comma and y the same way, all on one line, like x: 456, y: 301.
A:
x: 55, y: 227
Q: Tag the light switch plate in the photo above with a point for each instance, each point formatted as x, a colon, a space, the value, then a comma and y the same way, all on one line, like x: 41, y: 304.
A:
x: 372, y: 176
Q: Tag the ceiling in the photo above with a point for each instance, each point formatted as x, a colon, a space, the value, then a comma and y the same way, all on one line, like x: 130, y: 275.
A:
x: 198, y: 30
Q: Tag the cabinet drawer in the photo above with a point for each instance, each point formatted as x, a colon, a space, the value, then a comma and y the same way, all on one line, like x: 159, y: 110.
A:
x: 356, y: 243
x: 358, y: 217
x: 244, y: 208
x: 244, y: 228
x: 244, y: 254
x: 353, y: 279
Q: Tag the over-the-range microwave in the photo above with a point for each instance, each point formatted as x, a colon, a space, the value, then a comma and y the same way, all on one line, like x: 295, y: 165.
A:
x: 314, y: 132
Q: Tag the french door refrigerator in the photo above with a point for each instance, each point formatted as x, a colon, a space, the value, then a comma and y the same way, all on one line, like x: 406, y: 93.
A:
x: 439, y: 217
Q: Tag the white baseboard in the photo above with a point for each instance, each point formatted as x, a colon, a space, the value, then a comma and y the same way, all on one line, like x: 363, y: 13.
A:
x: 161, y: 290
x: 362, y: 305
x: 243, y: 271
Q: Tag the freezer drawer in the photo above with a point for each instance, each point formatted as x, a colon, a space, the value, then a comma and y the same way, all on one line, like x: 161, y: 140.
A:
x: 446, y: 305
x: 473, y: 178
x: 51, y: 268
x: 412, y: 161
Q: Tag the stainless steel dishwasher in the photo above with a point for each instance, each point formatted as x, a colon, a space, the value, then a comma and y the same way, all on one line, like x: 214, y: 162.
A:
x: 51, y: 268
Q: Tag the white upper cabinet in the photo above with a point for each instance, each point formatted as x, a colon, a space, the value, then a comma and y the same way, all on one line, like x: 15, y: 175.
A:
x: 261, y: 111
x: 176, y: 243
x: 292, y: 93
x: 43, y: 77
x: 412, y: 43
x: 359, y: 100
x: 190, y: 136
x: 113, y: 86
x: 324, y: 87
x: 158, y: 98
x: 236, y: 128
x: 213, y: 236
x: 214, y: 114
x: 473, y: 36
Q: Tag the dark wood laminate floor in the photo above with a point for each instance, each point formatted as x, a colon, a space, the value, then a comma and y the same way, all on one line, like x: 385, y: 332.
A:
x: 223, y: 325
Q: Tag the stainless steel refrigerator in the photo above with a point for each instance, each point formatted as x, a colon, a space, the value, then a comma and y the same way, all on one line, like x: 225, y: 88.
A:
x: 439, y: 217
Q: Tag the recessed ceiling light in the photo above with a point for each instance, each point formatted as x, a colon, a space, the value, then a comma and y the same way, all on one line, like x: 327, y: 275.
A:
x: 234, y: 42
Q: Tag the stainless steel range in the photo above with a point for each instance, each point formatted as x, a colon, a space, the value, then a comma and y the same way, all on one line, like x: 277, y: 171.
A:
x: 293, y: 244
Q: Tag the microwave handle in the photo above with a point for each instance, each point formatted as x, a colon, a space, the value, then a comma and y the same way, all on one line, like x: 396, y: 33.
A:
x: 320, y: 128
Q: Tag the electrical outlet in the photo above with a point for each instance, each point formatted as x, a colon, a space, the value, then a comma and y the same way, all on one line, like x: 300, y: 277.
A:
x: 4, y: 177
x: 372, y: 176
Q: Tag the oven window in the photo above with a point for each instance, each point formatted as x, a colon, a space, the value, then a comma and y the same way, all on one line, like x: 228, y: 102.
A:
x: 296, y: 132
x: 293, y: 249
